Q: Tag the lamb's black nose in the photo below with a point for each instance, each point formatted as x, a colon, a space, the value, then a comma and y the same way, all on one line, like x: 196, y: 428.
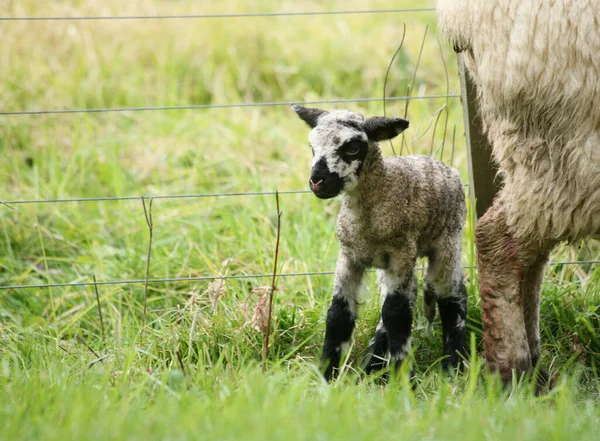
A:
x: 314, y: 186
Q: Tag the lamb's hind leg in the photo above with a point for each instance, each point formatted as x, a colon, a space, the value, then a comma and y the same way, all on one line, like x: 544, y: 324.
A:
x: 444, y: 283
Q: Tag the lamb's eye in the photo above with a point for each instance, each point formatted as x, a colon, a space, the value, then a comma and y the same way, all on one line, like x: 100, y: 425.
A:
x: 352, y: 148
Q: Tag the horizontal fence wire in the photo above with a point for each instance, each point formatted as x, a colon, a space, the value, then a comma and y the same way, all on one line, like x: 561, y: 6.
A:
x: 233, y: 277
x: 134, y: 198
x: 227, y: 105
x: 140, y: 197
x: 209, y: 16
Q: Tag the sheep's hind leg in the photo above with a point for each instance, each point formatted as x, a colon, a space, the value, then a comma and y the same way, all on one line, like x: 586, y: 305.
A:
x: 341, y: 315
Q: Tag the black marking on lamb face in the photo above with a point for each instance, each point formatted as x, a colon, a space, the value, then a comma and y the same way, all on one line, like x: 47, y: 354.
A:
x: 350, y: 146
x: 331, y: 183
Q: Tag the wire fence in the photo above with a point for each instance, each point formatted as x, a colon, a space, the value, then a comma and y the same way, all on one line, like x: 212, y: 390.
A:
x: 85, y: 283
x: 227, y: 106
x: 208, y: 16
x: 230, y: 277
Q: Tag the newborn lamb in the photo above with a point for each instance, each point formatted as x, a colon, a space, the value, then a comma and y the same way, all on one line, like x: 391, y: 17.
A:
x: 393, y: 210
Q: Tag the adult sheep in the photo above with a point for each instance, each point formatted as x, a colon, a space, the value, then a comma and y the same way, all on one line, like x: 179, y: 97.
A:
x: 536, y: 65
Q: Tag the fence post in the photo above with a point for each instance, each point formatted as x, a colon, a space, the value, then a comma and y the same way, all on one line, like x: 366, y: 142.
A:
x: 482, y: 171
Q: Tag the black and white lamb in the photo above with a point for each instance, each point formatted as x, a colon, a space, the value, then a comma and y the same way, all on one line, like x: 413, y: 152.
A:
x: 394, y: 210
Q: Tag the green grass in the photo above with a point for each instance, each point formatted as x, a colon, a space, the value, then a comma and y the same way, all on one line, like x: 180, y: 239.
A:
x: 194, y: 370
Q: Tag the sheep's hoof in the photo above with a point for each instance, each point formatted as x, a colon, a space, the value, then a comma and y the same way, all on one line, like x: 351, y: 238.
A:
x: 543, y: 383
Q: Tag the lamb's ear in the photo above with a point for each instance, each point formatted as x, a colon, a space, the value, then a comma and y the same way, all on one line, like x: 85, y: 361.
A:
x: 308, y: 115
x: 380, y: 128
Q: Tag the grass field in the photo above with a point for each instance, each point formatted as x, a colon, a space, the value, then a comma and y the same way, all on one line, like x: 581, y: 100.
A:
x: 193, y: 371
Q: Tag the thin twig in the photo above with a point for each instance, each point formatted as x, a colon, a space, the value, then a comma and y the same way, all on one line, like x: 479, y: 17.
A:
x: 434, y: 130
x: 412, y: 84
x: 453, y: 141
x: 8, y: 206
x: 78, y: 337
x: 148, y: 215
x: 414, y: 78
x: 447, y: 103
x: 428, y: 119
x: 405, y: 117
x: 386, y: 78
x: 176, y: 349
x: 178, y: 354
x: 192, y: 329
x: 99, y: 308
x: 92, y: 363
x: 271, y: 294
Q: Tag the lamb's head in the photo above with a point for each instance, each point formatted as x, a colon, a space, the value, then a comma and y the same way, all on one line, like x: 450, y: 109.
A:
x: 340, y: 142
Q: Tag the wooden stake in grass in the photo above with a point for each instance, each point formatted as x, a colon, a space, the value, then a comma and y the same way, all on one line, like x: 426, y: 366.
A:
x: 272, y: 290
x: 148, y: 215
x: 99, y: 308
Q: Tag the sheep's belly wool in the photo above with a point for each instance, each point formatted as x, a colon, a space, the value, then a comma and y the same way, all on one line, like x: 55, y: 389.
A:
x: 536, y: 64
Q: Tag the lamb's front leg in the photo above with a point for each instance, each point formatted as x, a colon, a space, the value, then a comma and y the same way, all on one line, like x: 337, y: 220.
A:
x: 342, y: 313
x: 399, y: 289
